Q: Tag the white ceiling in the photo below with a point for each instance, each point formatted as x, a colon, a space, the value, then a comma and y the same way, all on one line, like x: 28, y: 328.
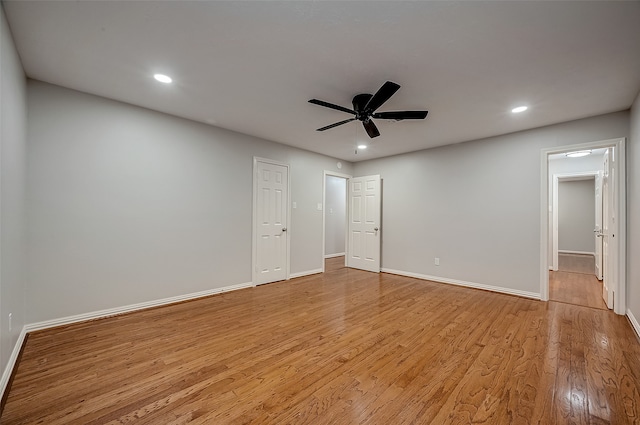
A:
x: 252, y: 66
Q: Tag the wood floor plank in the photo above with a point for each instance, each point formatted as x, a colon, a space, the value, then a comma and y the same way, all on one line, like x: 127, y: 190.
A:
x: 345, y: 346
x: 575, y: 281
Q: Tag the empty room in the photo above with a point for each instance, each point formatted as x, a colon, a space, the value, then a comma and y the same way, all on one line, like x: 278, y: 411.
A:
x: 323, y: 212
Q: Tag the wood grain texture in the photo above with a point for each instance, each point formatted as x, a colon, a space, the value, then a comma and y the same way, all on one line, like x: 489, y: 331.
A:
x: 343, y: 347
x: 576, y: 288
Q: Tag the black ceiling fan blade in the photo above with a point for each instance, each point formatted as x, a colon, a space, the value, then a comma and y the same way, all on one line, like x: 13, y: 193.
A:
x: 335, y: 124
x: 382, y: 95
x: 331, y: 105
x: 371, y: 128
x: 401, y: 115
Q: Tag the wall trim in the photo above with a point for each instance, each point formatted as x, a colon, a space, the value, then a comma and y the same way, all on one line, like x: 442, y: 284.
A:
x: 473, y: 285
x: 339, y: 254
x: 566, y: 251
x: 11, y: 364
x: 634, y: 322
x: 305, y: 273
x: 132, y: 307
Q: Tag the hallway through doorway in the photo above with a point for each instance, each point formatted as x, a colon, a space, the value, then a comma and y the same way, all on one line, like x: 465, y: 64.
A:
x: 575, y: 282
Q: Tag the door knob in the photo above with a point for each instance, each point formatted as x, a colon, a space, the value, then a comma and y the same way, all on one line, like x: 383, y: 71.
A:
x: 284, y: 229
x: 375, y: 228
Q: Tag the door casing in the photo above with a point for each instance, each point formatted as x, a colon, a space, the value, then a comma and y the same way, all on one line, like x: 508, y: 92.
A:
x: 324, y: 212
x: 557, y: 178
x: 619, y: 263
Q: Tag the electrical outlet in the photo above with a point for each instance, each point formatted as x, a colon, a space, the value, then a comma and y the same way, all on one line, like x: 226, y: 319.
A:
x: 10, y: 318
x: 437, y: 261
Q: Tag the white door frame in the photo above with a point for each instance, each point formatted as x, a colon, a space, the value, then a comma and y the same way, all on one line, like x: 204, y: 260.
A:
x: 599, y: 204
x: 619, y: 283
x: 324, y: 211
x: 557, y: 178
x: 254, y: 233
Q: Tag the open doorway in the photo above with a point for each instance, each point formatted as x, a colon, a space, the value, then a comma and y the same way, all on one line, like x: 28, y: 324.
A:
x: 360, y: 216
x: 334, y: 220
x: 576, y: 272
x: 592, y: 243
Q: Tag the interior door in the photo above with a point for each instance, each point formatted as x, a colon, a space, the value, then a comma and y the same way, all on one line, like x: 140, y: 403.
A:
x: 607, y: 188
x: 598, y: 225
x: 272, y: 200
x: 363, y: 251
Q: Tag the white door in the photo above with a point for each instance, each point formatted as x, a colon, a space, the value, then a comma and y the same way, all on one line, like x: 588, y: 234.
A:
x: 598, y: 225
x: 363, y: 250
x: 271, y: 207
x: 606, y: 234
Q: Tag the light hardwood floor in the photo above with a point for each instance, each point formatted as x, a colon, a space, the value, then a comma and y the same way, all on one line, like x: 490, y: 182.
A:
x: 575, y: 282
x: 343, y: 347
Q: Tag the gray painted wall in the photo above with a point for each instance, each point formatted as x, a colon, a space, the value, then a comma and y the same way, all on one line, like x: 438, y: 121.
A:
x: 13, y: 115
x: 335, y: 215
x: 128, y: 205
x: 576, y: 215
x: 582, y: 164
x: 633, y: 213
x: 475, y: 205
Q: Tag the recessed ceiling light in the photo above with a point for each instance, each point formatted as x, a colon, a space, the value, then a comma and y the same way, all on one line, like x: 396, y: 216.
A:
x: 362, y: 146
x: 162, y: 78
x: 519, y: 109
x: 578, y: 154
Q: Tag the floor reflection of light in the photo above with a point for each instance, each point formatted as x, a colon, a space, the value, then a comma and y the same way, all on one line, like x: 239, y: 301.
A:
x: 577, y: 399
x: 603, y: 339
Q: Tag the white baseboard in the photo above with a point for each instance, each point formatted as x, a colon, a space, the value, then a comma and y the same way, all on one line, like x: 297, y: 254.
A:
x: 305, y: 273
x: 525, y: 294
x: 6, y: 375
x: 634, y: 322
x: 133, y: 307
x: 339, y: 254
x: 564, y: 251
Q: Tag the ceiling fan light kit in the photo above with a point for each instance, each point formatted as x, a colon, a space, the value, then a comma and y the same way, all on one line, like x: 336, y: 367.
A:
x: 365, y: 106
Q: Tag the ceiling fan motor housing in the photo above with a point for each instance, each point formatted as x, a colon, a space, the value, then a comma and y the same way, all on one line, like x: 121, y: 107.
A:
x: 359, y: 102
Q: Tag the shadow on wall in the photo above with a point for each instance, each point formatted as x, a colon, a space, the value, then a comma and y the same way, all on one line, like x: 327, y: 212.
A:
x: 335, y: 216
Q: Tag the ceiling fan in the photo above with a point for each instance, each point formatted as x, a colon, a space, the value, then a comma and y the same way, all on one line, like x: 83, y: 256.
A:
x: 365, y: 106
